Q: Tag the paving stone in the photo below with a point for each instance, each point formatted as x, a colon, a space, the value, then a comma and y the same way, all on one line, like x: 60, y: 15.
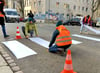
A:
x: 5, y: 69
x: 8, y: 58
x: 19, y: 72
x: 5, y: 55
x: 10, y: 61
x: 3, y: 52
x: 2, y: 61
x: 15, y: 68
x: 12, y: 64
x: 1, y: 49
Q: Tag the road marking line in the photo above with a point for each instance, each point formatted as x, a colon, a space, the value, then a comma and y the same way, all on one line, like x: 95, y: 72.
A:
x: 19, y: 49
x: 45, y: 43
x: 85, y: 37
x: 76, y: 42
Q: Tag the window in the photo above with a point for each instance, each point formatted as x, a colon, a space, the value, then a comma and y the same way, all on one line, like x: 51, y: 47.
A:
x: 86, y: 9
x: 65, y: 5
x: 39, y: 3
x: 87, y: 1
x: 11, y: 12
x: 57, y: 4
x: 82, y: 8
x: 34, y: 4
x: 74, y: 7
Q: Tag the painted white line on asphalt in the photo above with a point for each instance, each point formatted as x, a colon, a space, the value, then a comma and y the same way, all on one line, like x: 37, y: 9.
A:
x: 40, y: 41
x: 19, y: 49
x: 85, y: 37
x: 76, y: 42
x: 45, y: 43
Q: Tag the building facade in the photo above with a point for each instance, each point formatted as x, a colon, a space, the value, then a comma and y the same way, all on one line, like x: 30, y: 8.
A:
x: 97, y: 13
x: 65, y: 7
x: 28, y: 6
x: 10, y: 4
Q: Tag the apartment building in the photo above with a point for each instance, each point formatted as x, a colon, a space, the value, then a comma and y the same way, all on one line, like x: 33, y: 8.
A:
x: 28, y: 6
x: 10, y: 4
x: 65, y: 7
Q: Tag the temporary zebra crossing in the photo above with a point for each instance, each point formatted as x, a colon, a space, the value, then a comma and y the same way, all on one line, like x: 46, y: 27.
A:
x: 21, y: 51
x: 85, y: 37
x: 45, y: 43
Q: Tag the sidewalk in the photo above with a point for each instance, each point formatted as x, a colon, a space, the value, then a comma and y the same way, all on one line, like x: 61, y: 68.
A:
x: 4, y: 68
x: 7, y: 64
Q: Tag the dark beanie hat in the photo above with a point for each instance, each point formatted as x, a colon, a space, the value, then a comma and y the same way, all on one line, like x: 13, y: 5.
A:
x: 59, y: 23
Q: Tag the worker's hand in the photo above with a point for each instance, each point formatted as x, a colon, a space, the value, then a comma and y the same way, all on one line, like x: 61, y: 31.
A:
x: 27, y: 37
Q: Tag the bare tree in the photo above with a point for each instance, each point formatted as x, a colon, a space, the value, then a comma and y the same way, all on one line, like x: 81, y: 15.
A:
x: 95, y: 6
x: 20, y: 5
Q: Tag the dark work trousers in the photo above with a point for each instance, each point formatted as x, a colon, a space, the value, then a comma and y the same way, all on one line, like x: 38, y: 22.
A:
x: 23, y: 30
x: 3, y: 26
x: 54, y: 48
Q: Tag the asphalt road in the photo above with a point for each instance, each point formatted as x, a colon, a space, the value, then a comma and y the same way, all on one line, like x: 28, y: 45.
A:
x: 85, y: 56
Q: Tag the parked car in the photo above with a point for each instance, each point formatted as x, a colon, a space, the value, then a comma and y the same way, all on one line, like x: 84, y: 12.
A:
x: 11, y: 15
x: 37, y: 17
x: 73, y: 21
x: 93, y: 23
x: 21, y: 19
x: 98, y: 22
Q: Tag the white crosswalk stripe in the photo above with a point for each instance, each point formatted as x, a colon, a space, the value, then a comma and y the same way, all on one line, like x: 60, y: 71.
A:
x: 85, y: 37
x: 19, y: 49
x: 45, y: 43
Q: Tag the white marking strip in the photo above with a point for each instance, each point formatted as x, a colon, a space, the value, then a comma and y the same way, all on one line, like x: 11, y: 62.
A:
x: 40, y: 41
x: 85, y: 37
x: 45, y: 43
x: 76, y: 42
x: 18, y: 49
x: 91, y: 29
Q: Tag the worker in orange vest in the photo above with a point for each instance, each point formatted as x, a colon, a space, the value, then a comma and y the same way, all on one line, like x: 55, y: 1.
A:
x: 62, y: 39
x: 2, y: 15
x: 86, y: 21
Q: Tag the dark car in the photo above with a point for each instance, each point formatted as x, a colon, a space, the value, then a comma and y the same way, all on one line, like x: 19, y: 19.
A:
x: 73, y: 21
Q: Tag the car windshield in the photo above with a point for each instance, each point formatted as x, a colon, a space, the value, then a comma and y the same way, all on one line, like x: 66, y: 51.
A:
x: 11, y: 12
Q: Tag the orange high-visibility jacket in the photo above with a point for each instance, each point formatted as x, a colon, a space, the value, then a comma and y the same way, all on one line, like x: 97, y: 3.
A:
x: 64, y: 37
x: 1, y: 15
x: 88, y: 19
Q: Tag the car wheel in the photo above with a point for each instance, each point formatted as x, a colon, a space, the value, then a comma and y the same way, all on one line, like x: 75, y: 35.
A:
x: 68, y: 24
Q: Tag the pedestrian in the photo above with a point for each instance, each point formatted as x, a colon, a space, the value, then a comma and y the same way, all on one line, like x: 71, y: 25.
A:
x: 86, y: 21
x: 2, y: 16
x: 29, y: 27
x: 62, y: 39
x: 31, y: 15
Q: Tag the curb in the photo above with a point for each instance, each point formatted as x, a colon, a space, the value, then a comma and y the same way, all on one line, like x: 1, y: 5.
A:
x: 14, y: 67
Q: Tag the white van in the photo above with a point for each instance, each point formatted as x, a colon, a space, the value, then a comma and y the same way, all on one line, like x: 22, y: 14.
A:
x: 11, y: 15
x: 98, y: 22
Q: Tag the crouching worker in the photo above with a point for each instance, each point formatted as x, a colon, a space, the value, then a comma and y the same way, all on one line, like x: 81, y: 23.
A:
x: 62, y: 39
x: 29, y: 27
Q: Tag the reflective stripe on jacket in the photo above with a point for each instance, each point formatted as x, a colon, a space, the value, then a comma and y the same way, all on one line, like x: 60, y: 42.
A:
x: 64, y: 37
